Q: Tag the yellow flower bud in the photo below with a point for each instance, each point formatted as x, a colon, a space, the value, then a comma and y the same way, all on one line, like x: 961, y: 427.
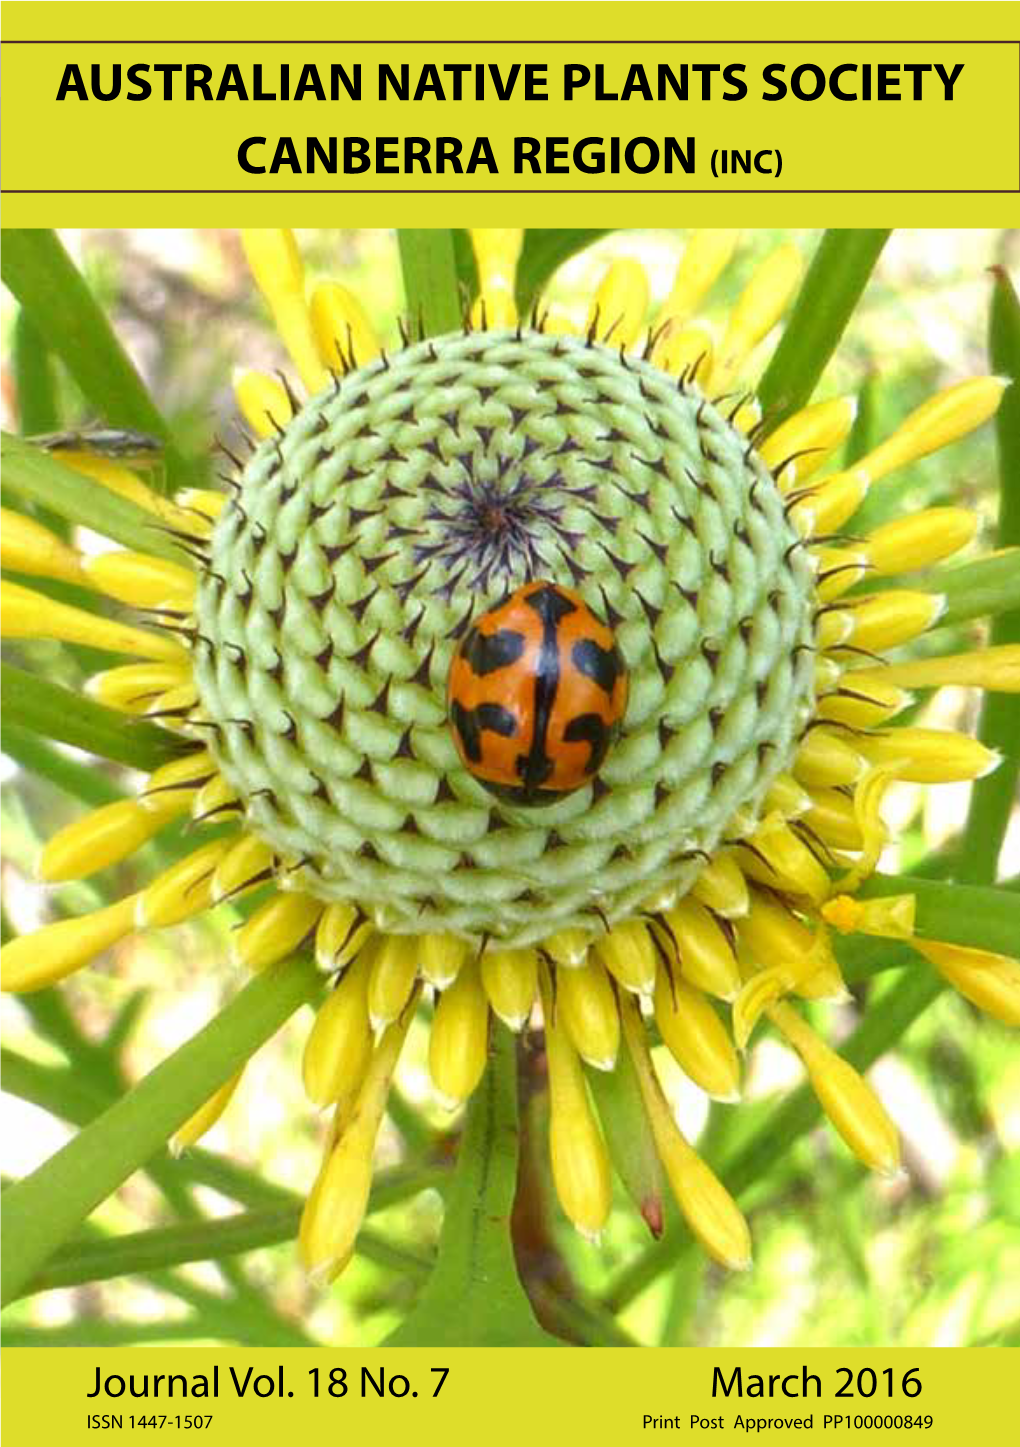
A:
x: 205, y: 1117
x: 339, y: 1045
x: 807, y: 439
x: 248, y: 863
x: 142, y: 581
x: 920, y: 539
x: 888, y: 619
x: 275, y: 264
x: 459, y: 1038
x: 27, y: 547
x: 618, y: 309
x: 833, y: 819
x: 683, y: 350
x: 987, y: 980
x: 275, y: 930
x: 214, y: 800
x: 864, y: 701
x: 930, y: 756
x: 391, y: 982
x: 780, y: 859
x: 336, y: 1206
x: 704, y: 259
x: 262, y: 402
x: 343, y: 334
x: 494, y: 307
x: 200, y: 500
x: 826, y: 759
x: 771, y: 935
x: 838, y: 570
x: 34, y: 961
x: 441, y: 958
x: 104, y: 837
x: 629, y: 955
x: 828, y: 506
x: 343, y: 931
x: 580, y: 1162
x: 696, y: 1038
x: 705, y: 956
x: 707, y: 1206
x: 180, y: 777
x: 174, y: 706
x: 586, y: 1007
x: 759, y: 306
x: 568, y: 947
x: 941, y: 419
x: 848, y: 1101
x: 137, y: 687
x: 496, y: 249
x: 996, y: 669
x: 510, y: 979
x: 183, y: 890
x: 721, y: 887
x: 28, y: 614
x: 786, y: 797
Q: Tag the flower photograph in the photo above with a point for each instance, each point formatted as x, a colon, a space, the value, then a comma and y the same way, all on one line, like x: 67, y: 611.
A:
x: 510, y: 756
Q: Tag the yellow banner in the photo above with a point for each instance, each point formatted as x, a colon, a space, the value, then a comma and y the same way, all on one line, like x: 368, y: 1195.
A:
x: 936, y: 1398
x: 496, y: 112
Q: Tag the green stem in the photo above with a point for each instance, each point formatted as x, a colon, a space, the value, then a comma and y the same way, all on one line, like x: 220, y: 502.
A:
x: 837, y: 276
x: 39, y: 707
x: 41, y: 1211
x: 429, y: 264
x: 474, y: 1295
x: 141, y: 1252
x: 878, y: 1032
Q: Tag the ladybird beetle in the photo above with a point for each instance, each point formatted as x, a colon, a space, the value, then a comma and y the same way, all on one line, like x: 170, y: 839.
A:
x: 536, y: 693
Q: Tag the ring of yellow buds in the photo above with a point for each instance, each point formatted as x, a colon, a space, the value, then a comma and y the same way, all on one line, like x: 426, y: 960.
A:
x: 642, y: 912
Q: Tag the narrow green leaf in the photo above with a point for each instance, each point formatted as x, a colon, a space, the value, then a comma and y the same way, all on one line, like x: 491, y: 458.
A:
x: 837, y: 276
x: 474, y: 1296
x: 993, y: 797
x: 543, y: 252
x: 883, y: 1027
x: 629, y: 1138
x: 40, y: 1212
x: 72, y: 324
x: 137, y: 1253
x: 37, y: 706
x: 429, y: 264
x: 40, y: 478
